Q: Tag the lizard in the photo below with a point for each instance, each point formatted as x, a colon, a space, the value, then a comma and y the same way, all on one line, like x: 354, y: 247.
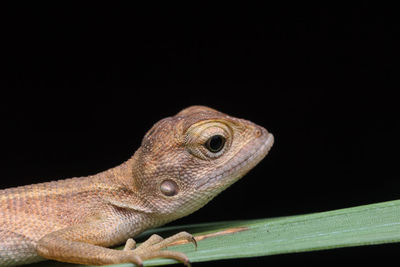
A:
x: 182, y: 163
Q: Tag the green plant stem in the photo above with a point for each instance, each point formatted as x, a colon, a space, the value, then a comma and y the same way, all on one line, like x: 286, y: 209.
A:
x: 364, y: 225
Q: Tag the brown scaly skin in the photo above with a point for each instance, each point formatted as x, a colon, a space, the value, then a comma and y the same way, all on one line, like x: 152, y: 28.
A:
x: 184, y: 161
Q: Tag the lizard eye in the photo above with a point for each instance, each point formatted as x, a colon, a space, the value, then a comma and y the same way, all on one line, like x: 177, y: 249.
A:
x: 215, y: 143
x: 169, y: 188
x: 208, y: 140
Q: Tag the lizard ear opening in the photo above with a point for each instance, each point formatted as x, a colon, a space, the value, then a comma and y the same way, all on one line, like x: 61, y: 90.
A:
x: 169, y: 188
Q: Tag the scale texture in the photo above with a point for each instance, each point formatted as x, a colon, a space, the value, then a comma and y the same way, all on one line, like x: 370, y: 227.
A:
x: 183, y: 162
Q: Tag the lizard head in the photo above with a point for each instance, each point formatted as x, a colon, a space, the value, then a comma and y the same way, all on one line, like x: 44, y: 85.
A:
x: 186, y: 160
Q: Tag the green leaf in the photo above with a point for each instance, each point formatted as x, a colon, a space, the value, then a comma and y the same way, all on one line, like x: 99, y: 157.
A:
x: 364, y: 225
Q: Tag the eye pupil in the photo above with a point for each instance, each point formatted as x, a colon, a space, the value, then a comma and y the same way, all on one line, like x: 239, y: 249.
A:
x: 215, y: 143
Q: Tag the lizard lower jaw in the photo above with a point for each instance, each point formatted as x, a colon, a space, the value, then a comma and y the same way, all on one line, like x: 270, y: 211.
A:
x: 258, y: 153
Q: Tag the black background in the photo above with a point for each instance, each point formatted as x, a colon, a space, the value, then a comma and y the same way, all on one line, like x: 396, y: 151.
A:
x: 82, y: 84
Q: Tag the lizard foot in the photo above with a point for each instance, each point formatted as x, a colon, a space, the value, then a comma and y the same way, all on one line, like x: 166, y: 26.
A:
x: 152, y: 248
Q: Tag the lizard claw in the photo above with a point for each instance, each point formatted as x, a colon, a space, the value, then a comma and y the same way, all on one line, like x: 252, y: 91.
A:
x: 194, y: 242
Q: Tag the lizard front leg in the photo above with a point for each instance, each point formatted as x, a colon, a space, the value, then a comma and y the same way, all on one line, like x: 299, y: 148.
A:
x: 82, y: 244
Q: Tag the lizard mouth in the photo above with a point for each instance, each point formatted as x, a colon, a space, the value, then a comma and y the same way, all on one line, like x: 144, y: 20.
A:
x: 246, y: 159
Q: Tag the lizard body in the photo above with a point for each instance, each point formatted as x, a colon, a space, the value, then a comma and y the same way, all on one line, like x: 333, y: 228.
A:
x: 182, y: 163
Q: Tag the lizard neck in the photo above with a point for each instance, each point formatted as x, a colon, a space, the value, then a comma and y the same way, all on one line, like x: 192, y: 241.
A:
x: 125, y: 174
x: 120, y: 189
